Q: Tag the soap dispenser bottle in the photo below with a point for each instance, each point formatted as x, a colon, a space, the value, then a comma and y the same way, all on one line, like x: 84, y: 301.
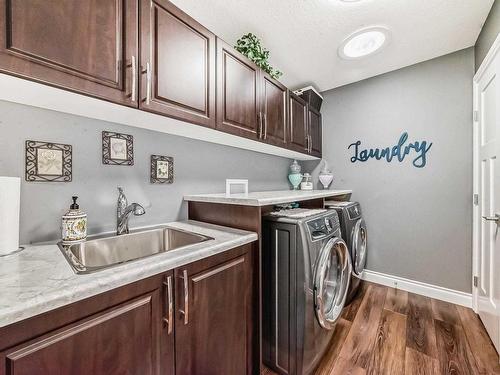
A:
x: 74, y: 225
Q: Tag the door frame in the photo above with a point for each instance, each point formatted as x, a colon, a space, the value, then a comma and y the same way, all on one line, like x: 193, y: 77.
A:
x: 476, y: 208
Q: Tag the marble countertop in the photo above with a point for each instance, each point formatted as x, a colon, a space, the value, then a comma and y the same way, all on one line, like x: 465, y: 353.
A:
x: 39, y: 278
x: 265, y: 198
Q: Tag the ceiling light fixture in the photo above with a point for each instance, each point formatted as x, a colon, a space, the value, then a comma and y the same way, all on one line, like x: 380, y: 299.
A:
x: 364, y: 42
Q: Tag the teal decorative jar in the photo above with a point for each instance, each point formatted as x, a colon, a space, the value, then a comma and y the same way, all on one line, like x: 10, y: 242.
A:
x: 295, y: 177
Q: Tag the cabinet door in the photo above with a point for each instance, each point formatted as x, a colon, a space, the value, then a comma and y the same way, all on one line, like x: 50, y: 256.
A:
x: 237, y: 93
x: 213, y: 324
x: 315, y: 131
x: 298, y: 126
x: 121, y: 340
x: 177, y: 64
x: 85, y: 46
x: 274, y: 111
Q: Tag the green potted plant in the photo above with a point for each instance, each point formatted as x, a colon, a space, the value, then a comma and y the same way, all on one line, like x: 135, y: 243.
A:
x: 250, y: 46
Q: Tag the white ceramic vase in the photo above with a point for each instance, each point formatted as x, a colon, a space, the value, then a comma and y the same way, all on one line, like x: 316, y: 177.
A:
x: 326, y: 179
x: 325, y: 176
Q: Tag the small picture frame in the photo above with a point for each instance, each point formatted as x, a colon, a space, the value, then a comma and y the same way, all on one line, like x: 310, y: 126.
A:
x: 48, y: 162
x: 162, y: 169
x: 117, y: 148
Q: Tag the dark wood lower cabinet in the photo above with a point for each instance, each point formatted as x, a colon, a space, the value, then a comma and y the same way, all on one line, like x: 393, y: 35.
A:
x: 160, y: 325
x: 121, y: 340
x: 213, y: 328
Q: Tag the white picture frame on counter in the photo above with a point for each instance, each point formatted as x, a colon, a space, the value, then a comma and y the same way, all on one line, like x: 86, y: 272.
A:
x: 236, y: 182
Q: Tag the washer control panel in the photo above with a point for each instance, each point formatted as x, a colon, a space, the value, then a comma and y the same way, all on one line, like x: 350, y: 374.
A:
x: 323, y: 226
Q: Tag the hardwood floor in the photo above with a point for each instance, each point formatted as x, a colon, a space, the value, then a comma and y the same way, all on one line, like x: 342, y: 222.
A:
x: 392, y: 332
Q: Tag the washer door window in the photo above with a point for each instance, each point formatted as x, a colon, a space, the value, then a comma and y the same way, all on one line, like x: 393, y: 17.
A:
x: 331, y: 280
x: 359, y: 246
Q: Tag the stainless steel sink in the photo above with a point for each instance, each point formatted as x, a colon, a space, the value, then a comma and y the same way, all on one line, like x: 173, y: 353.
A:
x: 101, y: 253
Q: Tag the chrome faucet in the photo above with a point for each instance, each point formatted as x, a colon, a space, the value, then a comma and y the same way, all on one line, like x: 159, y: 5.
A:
x: 123, y: 212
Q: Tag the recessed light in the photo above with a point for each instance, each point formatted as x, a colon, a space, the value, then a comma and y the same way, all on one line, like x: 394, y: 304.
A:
x: 364, y: 42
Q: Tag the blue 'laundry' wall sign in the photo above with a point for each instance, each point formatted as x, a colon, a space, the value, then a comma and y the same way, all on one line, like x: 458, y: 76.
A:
x: 399, y: 151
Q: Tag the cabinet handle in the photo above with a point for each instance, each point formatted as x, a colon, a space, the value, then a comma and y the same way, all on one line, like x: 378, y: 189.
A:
x: 265, y: 126
x: 134, y: 79
x: 260, y: 126
x: 307, y: 144
x: 148, y: 83
x: 170, y: 304
x: 185, y: 312
x: 310, y: 144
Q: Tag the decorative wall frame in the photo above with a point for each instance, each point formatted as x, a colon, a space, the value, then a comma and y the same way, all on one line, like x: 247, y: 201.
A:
x: 162, y: 169
x: 117, y: 148
x: 48, y: 162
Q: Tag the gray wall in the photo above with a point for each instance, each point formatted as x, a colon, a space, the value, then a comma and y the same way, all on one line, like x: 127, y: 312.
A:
x: 488, y: 34
x: 199, y: 167
x: 419, y: 219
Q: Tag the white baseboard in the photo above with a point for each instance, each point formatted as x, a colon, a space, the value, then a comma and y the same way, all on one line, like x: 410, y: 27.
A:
x: 417, y: 287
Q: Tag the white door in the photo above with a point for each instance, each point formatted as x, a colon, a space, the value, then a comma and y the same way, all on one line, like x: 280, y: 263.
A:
x: 487, y: 105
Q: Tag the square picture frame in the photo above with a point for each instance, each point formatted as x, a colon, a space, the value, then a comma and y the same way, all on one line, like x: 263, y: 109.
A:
x: 162, y: 169
x: 117, y: 148
x: 48, y: 162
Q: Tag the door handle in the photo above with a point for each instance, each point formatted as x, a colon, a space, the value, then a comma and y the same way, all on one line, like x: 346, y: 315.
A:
x: 147, y: 71
x: 495, y: 218
x: 185, y: 312
x: 170, y: 304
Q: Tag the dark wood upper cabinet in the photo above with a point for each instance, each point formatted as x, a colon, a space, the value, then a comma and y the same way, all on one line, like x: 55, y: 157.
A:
x: 150, y: 55
x: 238, y: 93
x: 274, y: 111
x: 315, y: 131
x: 214, y: 323
x: 177, y: 64
x: 298, y: 123
x: 87, y: 46
x: 121, y: 340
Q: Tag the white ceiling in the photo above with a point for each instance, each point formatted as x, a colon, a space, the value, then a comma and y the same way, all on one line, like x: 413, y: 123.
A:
x: 303, y: 35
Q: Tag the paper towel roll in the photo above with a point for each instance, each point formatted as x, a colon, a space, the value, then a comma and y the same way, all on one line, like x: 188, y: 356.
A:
x: 10, y: 197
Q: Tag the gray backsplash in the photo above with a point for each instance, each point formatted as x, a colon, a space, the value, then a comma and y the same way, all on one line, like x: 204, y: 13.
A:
x: 199, y: 167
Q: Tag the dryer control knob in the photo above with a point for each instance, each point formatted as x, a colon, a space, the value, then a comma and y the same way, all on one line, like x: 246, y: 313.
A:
x: 328, y: 223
